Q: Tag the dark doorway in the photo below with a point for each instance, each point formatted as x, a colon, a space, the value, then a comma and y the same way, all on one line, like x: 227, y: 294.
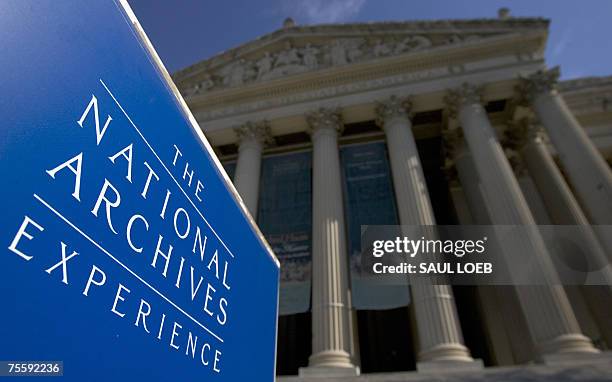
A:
x: 294, y: 343
x: 385, y: 341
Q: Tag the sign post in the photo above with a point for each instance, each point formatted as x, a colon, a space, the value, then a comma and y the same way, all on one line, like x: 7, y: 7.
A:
x: 128, y: 254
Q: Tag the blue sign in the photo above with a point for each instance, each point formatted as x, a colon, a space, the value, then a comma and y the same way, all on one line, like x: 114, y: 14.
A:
x: 126, y: 252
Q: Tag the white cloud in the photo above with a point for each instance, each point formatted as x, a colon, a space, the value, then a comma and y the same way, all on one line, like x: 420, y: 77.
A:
x: 322, y: 11
x: 560, y: 46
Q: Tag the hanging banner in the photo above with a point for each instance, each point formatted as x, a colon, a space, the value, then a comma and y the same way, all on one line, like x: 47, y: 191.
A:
x: 230, y: 169
x: 285, y: 218
x: 126, y: 254
x: 369, y: 200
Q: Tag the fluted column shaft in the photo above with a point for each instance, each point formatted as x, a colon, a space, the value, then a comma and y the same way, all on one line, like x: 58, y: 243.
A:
x: 331, y: 329
x: 587, y: 170
x: 557, y: 196
x: 438, y: 327
x: 251, y: 139
x: 549, y: 316
x: 560, y: 203
x: 564, y: 209
x: 508, y: 305
x: 246, y: 177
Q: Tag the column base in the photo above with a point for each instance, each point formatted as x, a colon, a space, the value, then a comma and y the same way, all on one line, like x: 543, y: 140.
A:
x: 328, y: 372
x: 568, y: 344
x: 569, y: 358
x: 440, y: 367
x: 330, y: 363
x: 449, y: 352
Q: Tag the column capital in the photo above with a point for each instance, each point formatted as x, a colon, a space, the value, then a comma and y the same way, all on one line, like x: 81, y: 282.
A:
x: 254, y: 132
x: 332, y: 331
x: 516, y: 161
x: 520, y: 132
x: 540, y: 82
x: 465, y: 94
x: 393, y: 107
x: 453, y: 144
x: 325, y: 119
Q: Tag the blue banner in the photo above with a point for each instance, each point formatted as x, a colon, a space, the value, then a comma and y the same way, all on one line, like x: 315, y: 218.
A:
x: 369, y: 201
x: 285, y: 218
x: 230, y: 169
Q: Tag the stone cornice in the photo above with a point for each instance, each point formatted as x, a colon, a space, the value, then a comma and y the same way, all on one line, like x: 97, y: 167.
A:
x: 588, y: 96
x: 315, y: 93
x: 586, y: 83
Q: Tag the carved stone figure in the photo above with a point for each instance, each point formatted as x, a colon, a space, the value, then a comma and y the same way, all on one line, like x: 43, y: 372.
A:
x: 289, y: 56
x: 250, y: 72
x: 193, y: 90
x: 381, y: 49
x: 453, y: 39
x: 234, y: 74
x: 309, y: 55
x: 338, y: 53
x: 401, y: 46
x: 206, y: 84
x: 291, y: 60
x: 412, y: 43
x: 354, y: 52
x: 264, y: 64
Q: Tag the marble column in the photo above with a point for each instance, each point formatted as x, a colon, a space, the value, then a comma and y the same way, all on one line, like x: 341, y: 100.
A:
x: 529, y: 139
x: 437, y: 321
x: 332, y: 334
x: 526, y: 138
x: 505, y: 309
x: 587, y: 170
x: 251, y: 139
x: 551, y: 321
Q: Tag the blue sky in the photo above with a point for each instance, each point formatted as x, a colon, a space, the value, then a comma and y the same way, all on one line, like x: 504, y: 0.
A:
x: 187, y: 31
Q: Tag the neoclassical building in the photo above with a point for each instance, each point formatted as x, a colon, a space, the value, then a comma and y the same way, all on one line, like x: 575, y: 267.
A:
x: 326, y: 128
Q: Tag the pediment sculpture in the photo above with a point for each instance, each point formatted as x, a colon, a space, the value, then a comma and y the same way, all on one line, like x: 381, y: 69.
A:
x: 292, y: 59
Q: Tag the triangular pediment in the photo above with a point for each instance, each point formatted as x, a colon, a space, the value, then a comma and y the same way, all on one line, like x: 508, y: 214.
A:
x: 300, y: 49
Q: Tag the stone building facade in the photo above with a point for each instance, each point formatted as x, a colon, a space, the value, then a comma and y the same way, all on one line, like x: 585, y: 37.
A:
x: 470, y: 127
